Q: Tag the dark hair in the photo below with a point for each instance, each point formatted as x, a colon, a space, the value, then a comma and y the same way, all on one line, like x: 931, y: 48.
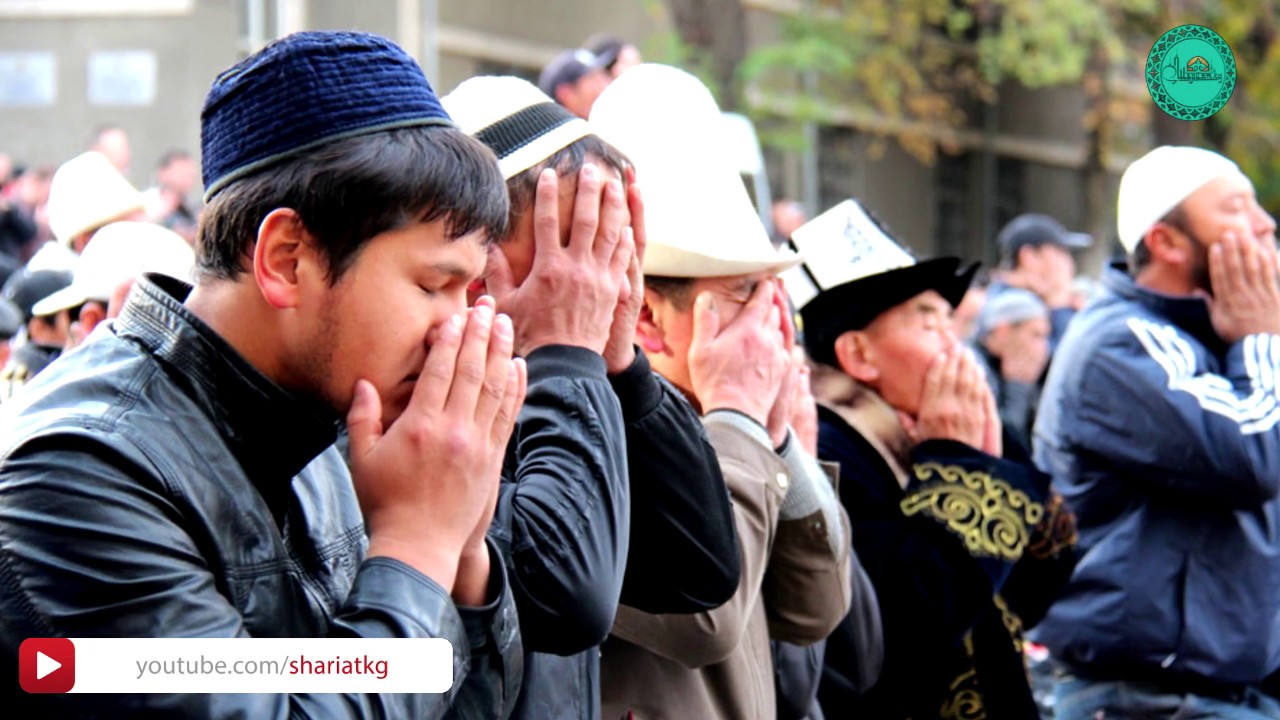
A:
x: 1141, y: 258
x: 348, y: 191
x: 677, y: 290
x: 566, y: 161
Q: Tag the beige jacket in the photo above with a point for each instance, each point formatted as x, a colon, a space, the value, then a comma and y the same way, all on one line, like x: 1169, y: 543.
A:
x: 717, y: 664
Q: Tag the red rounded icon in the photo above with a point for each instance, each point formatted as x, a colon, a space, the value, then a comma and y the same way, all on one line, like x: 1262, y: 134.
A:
x: 47, y: 665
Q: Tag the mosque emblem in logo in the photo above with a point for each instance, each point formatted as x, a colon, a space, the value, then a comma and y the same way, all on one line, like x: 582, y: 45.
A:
x: 1191, y: 72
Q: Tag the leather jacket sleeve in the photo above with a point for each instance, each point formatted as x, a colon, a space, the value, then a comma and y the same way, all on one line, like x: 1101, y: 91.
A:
x: 679, y: 505
x: 563, y: 515
x: 92, y: 544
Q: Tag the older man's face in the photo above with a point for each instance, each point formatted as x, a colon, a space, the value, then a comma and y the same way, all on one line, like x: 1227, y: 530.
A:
x: 903, y: 342
x: 730, y: 293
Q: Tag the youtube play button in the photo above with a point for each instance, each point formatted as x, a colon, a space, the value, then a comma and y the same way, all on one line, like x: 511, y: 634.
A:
x: 47, y: 665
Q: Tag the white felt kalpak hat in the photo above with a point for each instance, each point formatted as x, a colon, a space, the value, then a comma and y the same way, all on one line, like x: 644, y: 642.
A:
x: 519, y: 123
x: 699, y: 218
x: 88, y: 192
x: 1158, y: 182
x: 854, y: 270
x: 121, y: 251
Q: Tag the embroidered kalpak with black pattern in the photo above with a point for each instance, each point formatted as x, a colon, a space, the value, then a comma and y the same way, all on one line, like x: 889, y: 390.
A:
x: 520, y: 124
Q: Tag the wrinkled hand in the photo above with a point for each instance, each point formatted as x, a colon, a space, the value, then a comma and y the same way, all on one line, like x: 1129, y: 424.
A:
x: 741, y: 366
x: 572, y: 291
x: 427, y: 485
x: 804, y: 408
x: 785, y: 406
x: 620, y: 351
x: 956, y: 403
x: 1246, y: 292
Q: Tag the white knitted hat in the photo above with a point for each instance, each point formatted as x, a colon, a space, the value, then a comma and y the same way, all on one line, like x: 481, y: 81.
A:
x: 1158, y: 181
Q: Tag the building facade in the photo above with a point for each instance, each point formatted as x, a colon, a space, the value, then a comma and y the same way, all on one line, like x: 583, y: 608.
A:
x: 67, y: 66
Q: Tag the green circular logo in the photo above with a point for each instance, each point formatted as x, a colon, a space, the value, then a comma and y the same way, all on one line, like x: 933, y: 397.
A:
x: 1191, y: 72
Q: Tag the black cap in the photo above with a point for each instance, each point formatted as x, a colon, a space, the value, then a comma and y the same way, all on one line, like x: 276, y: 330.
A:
x: 26, y: 288
x: 567, y: 67
x: 605, y: 47
x: 10, y: 319
x: 1034, y: 229
x: 855, y: 304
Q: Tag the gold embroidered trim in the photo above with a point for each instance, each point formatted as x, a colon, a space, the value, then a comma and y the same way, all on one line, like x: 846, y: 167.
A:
x: 1012, y: 622
x: 965, y: 701
x: 992, y: 517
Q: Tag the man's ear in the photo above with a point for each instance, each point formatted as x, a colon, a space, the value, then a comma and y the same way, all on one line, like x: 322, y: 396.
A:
x: 1167, y: 246
x: 855, y: 356
x: 281, y: 257
x: 91, y: 313
x: 649, y: 332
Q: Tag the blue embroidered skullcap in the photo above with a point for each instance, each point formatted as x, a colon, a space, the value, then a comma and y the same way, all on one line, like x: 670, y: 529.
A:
x: 305, y: 90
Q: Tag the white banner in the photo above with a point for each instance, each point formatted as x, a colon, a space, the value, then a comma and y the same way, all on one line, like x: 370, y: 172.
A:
x: 236, y: 665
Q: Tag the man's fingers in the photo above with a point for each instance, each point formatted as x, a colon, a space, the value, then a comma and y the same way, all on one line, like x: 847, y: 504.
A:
x: 504, y: 420
x: 1267, y: 260
x: 623, y: 253
x: 757, y: 308
x: 1232, y: 267
x: 788, y: 325
x: 773, y: 325
x: 546, y: 213
x: 949, y: 376
x: 364, y: 420
x: 635, y: 270
x: 967, y: 377
x: 636, y: 202
x: 497, y: 369
x: 469, y: 375
x: 586, y: 210
x: 1217, y: 273
x: 706, y: 322
x: 933, y: 377
x: 1252, y: 264
x: 432, y: 389
x: 613, y: 218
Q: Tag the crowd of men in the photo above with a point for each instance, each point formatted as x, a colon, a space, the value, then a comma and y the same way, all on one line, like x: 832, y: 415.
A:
x: 520, y: 367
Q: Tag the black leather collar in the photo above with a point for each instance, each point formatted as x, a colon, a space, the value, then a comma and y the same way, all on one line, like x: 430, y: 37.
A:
x: 272, y: 432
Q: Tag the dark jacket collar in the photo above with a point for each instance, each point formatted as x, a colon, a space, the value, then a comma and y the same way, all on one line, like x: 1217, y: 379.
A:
x: 1189, y: 312
x: 271, y: 432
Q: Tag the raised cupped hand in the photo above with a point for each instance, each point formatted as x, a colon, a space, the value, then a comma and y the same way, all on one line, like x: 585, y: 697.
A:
x: 427, y: 485
x: 743, y: 365
x: 573, y: 290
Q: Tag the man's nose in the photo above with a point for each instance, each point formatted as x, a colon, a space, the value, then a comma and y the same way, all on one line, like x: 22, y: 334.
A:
x: 1264, y: 223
